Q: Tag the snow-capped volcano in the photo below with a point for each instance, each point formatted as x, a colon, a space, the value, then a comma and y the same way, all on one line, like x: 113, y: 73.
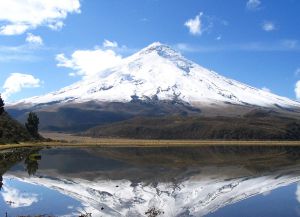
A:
x: 158, y: 72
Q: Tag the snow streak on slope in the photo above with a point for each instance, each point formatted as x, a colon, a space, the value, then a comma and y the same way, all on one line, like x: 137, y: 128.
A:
x: 158, y: 72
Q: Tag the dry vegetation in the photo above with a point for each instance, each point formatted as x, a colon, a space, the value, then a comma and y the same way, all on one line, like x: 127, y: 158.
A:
x: 68, y: 140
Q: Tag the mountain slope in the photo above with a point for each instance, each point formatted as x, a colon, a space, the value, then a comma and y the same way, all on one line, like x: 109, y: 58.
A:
x: 257, y: 125
x: 160, y: 73
x: 12, y: 131
x: 154, y: 82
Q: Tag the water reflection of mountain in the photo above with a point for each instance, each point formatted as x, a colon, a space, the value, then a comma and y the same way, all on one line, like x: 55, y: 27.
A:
x: 179, y: 181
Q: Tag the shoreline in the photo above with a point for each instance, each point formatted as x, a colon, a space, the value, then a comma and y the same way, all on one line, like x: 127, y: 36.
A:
x: 115, y: 143
x: 61, y: 140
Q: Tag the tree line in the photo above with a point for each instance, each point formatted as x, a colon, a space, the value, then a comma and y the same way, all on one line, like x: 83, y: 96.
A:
x: 32, y: 124
x: 1, y: 105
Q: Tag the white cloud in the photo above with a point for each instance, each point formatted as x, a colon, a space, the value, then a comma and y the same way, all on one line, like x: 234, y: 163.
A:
x: 34, y: 39
x: 18, y: 16
x: 87, y: 63
x: 253, y: 4
x: 56, y: 26
x: 268, y: 26
x: 195, y: 25
x: 219, y: 38
x: 266, y: 89
x: 298, y: 193
x: 15, y: 29
x: 297, y: 90
x: 111, y: 44
x: 18, y: 198
x: 72, y: 74
x: 17, y: 81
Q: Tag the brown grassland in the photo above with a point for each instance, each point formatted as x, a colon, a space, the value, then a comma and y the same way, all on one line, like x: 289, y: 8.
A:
x: 68, y: 140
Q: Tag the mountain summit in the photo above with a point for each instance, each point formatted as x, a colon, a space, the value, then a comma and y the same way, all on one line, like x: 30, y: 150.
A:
x: 157, y: 90
x: 161, y: 73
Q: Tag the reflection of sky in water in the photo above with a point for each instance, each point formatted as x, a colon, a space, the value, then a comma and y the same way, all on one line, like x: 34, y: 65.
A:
x: 179, y: 182
x: 277, y: 203
x: 21, y: 198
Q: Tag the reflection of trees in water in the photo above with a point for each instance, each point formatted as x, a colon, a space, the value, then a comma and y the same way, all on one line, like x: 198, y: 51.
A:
x: 14, y: 156
x: 1, y: 182
x: 32, y: 164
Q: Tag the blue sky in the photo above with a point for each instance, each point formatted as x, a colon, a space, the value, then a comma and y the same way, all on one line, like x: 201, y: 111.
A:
x: 48, y: 44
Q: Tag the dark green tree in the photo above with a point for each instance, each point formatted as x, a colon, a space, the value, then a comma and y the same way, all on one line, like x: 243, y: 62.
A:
x: 1, y: 106
x: 32, y: 125
x: 32, y: 165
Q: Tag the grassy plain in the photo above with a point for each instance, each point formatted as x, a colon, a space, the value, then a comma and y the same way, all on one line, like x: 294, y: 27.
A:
x: 68, y: 140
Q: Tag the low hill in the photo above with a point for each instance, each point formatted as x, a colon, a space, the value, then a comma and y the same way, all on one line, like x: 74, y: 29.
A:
x: 256, y: 125
x: 12, y: 131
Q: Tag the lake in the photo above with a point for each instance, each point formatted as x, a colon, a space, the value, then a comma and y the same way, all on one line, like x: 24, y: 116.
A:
x: 201, y: 181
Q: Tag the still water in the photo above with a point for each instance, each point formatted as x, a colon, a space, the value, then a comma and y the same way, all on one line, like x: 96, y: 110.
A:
x: 207, y: 181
